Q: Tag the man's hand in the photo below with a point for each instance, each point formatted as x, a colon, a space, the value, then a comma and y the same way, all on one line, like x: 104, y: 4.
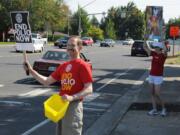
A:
x: 27, y: 66
x: 68, y: 97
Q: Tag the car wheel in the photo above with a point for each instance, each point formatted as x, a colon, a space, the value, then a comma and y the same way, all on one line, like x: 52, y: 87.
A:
x: 147, y: 55
x: 133, y: 54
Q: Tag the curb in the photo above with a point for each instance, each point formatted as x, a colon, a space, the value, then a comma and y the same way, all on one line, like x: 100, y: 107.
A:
x: 109, y: 120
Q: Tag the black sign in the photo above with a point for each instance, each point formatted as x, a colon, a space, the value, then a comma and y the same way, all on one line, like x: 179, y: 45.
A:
x: 20, y: 24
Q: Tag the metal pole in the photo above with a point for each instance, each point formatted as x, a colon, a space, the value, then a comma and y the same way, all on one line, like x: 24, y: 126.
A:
x: 79, y: 28
x: 173, y: 44
x: 68, y: 25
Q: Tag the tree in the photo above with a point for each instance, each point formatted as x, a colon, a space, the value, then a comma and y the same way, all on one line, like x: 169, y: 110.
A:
x: 132, y: 23
x: 45, y: 15
x: 94, y: 21
x: 95, y: 32
x: 109, y: 29
x: 85, y: 23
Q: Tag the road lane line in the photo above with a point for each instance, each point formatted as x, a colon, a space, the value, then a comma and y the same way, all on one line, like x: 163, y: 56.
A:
x: 35, y: 127
x: 91, y: 97
x: 34, y: 93
x: 121, y: 74
x: 97, y: 104
x: 14, y: 103
x: 1, y: 85
x: 93, y: 109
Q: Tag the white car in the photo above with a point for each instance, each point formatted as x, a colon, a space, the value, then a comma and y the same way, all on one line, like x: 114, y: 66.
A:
x: 128, y: 41
x: 38, y: 36
x: 37, y: 45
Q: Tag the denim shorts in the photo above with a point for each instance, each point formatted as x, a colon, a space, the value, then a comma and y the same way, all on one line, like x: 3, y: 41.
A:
x: 157, y: 80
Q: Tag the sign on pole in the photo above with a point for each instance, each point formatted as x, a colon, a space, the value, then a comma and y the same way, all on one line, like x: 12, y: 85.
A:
x: 22, y: 29
x: 154, y: 22
x: 174, y: 31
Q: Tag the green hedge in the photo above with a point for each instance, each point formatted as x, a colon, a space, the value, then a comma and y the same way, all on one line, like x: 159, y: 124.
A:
x: 50, y: 37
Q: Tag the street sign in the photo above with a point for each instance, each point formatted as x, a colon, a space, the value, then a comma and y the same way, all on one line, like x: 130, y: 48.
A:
x: 174, y: 31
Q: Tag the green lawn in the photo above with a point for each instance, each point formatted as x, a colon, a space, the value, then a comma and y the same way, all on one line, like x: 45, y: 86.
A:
x: 7, y: 43
x: 173, y: 60
x: 12, y: 43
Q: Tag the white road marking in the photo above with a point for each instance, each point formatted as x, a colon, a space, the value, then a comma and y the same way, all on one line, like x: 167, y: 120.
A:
x: 117, y: 76
x: 1, y: 85
x: 97, y: 104
x: 93, y: 109
x: 91, y: 97
x: 35, y: 127
x: 171, y: 79
x: 14, y: 103
x: 35, y: 92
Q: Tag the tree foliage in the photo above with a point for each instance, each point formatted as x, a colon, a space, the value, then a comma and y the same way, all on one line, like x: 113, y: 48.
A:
x: 95, y: 33
x: 132, y: 23
x: 45, y: 15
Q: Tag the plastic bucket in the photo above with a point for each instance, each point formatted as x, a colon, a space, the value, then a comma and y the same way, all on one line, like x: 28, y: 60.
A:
x: 55, y: 108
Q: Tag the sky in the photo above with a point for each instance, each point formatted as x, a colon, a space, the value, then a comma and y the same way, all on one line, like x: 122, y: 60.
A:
x: 171, y: 8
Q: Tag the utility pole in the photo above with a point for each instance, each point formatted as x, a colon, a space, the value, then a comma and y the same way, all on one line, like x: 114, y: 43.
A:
x: 79, y: 25
x: 79, y: 12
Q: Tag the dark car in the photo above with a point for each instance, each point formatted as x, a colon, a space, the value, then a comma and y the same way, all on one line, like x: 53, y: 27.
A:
x: 87, y: 41
x: 137, y: 48
x: 52, y: 59
x: 62, y: 42
x: 107, y: 43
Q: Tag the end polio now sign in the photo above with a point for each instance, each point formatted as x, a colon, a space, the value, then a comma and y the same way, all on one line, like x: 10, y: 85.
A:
x: 20, y: 24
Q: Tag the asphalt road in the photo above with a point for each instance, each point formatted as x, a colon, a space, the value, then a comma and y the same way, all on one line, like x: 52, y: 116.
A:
x: 21, y: 98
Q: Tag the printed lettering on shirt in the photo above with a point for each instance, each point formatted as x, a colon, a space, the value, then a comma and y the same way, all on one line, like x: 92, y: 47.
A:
x: 67, y: 81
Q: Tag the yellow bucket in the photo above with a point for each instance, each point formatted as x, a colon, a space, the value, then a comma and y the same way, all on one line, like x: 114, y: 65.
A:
x: 55, y: 108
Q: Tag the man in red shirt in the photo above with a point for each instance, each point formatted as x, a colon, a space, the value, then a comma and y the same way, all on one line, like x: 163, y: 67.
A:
x: 159, y: 55
x: 76, y: 82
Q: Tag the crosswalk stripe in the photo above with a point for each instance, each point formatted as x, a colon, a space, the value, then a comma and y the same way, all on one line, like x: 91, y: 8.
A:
x: 34, y: 93
x: 97, y: 104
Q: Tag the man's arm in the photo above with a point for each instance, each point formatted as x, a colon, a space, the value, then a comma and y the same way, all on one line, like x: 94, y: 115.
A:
x: 40, y: 78
x: 85, y: 91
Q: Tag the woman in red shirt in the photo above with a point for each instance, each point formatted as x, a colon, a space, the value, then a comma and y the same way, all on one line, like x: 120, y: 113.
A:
x: 159, y: 55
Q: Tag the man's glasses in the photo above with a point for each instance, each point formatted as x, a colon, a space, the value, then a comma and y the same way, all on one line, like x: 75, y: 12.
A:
x: 70, y: 50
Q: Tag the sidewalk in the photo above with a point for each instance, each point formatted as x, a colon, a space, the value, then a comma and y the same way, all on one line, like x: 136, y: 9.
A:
x: 136, y: 121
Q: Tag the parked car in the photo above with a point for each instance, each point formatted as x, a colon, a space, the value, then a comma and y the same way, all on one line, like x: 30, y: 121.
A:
x: 38, y: 36
x: 87, y: 41
x: 37, y: 45
x: 128, y: 41
x: 62, y: 42
x: 107, y: 43
x: 52, y: 59
x: 137, y: 48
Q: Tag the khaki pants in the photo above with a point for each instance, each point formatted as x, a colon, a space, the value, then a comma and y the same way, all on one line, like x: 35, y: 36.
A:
x: 72, y: 122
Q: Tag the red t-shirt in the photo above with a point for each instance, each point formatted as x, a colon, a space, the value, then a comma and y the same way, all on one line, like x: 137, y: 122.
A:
x: 73, y: 75
x: 157, y: 65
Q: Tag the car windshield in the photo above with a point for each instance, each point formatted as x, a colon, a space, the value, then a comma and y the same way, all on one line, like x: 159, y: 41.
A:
x: 138, y: 44
x: 85, y: 38
x: 56, y: 55
x: 108, y: 40
x: 63, y: 38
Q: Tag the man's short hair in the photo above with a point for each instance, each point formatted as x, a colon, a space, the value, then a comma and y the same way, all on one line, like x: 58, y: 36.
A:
x: 79, y: 41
